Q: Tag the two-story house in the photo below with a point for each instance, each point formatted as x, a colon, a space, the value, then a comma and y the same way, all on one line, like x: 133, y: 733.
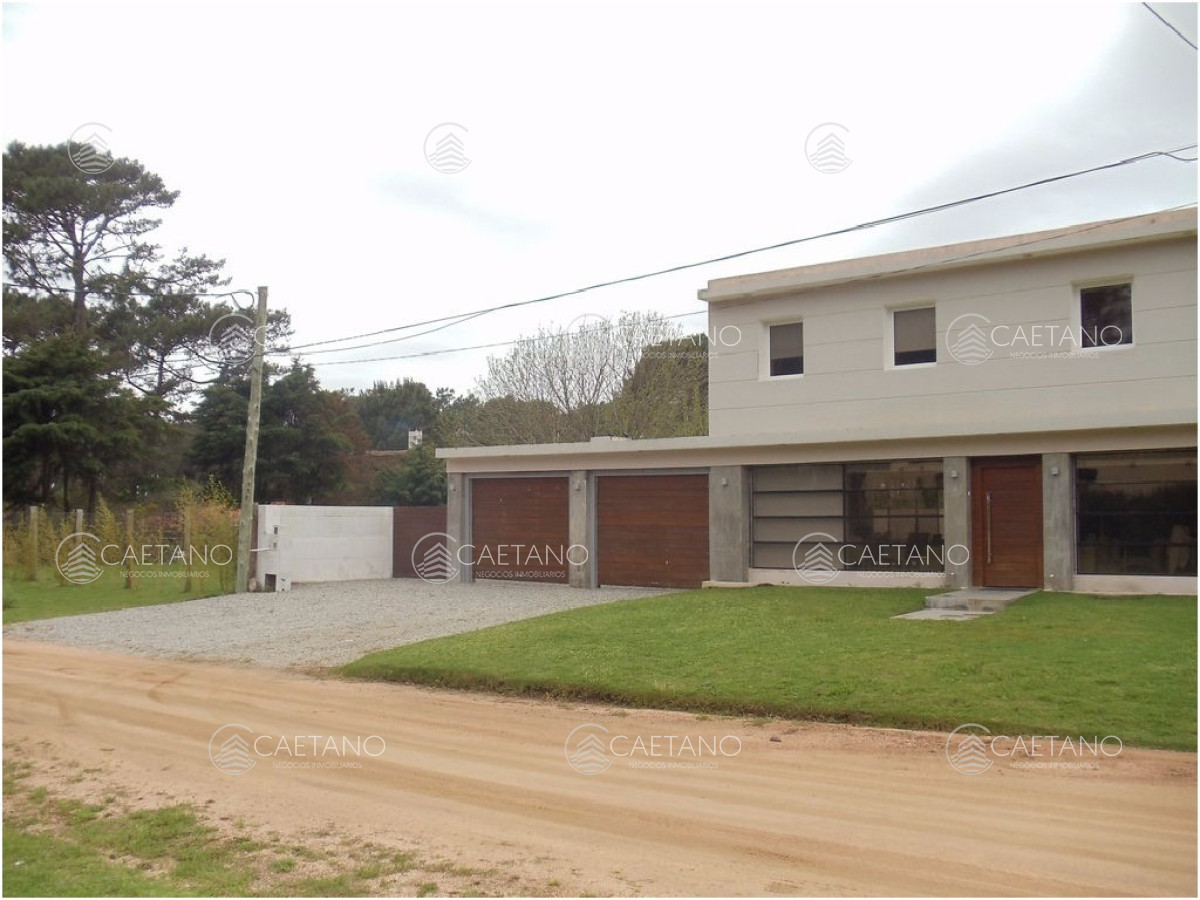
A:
x: 1013, y: 412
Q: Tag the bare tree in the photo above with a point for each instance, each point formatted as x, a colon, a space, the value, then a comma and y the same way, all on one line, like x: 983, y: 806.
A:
x: 565, y: 385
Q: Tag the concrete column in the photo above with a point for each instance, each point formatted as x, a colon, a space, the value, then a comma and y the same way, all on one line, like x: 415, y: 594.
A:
x: 956, y: 514
x: 1058, y: 517
x: 729, y: 523
x: 581, y: 531
x: 458, y: 519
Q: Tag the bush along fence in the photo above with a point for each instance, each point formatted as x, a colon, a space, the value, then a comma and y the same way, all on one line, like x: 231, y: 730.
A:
x: 194, y: 540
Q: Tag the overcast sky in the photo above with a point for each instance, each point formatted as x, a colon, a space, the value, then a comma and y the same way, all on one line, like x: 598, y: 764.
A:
x: 603, y: 140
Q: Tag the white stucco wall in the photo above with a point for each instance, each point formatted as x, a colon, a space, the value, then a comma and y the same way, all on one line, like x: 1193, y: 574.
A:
x: 848, y: 386
x: 324, y: 543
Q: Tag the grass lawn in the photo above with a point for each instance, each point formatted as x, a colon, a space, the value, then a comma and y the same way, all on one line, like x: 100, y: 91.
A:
x: 56, y: 846
x: 46, y: 597
x: 1050, y: 664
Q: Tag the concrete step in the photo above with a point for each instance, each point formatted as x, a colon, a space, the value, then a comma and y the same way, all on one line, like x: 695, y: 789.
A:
x: 976, y: 600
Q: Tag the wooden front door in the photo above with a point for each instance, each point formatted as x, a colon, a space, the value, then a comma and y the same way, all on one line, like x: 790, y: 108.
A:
x: 1006, y: 522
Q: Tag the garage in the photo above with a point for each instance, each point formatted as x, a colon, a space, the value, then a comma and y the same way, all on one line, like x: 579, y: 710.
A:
x: 519, y: 528
x: 652, y: 530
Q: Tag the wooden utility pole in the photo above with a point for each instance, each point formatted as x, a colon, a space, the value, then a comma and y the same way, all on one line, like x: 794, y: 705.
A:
x: 34, y: 558
x: 187, y: 549
x: 129, y: 549
x: 246, y: 524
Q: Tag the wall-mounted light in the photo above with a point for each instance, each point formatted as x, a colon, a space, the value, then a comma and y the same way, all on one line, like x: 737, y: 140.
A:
x: 954, y: 473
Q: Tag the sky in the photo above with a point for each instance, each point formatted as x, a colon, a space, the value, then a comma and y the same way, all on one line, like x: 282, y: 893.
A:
x: 600, y: 141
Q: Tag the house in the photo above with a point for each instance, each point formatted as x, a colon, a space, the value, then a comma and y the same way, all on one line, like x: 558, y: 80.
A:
x: 1012, y: 412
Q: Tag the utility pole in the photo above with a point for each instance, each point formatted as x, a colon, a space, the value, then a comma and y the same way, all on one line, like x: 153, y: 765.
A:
x: 246, y: 524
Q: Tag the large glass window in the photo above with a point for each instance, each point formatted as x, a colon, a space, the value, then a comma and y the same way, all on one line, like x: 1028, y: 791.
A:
x: 787, y: 349
x: 897, y: 505
x: 1136, y: 513
x: 882, y: 515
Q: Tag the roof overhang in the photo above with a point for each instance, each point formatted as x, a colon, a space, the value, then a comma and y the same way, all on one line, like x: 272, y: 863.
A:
x: 1159, y: 226
x: 847, y: 443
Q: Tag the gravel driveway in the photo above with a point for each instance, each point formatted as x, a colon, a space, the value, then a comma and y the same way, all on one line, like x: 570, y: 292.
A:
x: 314, y: 624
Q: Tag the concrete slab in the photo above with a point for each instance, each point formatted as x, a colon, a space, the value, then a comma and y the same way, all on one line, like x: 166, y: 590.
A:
x: 945, y: 615
x: 977, y: 599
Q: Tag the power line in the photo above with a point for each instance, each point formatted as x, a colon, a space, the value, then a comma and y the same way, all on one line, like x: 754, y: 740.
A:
x: 1083, y: 229
x: 862, y: 226
x: 456, y: 320
x: 1156, y: 15
x: 444, y: 322
x: 520, y: 340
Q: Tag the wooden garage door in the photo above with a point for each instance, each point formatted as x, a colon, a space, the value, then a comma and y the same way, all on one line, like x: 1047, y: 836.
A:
x: 652, y: 530
x: 519, y: 528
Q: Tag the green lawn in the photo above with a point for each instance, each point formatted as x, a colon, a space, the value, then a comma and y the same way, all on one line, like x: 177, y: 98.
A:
x: 46, y: 597
x: 1050, y: 664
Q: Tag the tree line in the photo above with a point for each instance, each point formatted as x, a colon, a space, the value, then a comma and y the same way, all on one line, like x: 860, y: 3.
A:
x: 115, y: 387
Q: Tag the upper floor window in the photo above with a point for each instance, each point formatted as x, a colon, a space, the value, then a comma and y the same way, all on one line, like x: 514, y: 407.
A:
x: 914, y: 336
x: 787, y: 349
x: 1106, y: 315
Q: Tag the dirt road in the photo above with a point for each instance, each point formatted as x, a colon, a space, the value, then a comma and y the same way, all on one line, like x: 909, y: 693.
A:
x: 823, y: 810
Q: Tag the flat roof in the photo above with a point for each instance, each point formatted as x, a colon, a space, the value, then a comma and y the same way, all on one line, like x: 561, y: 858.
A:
x: 700, y: 450
x: 1164, y: 225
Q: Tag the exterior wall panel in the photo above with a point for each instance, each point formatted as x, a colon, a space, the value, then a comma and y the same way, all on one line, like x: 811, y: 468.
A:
x: 848, y: 386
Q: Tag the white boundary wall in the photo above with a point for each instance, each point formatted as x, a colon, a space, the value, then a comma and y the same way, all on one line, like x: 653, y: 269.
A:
x: 324, y: 543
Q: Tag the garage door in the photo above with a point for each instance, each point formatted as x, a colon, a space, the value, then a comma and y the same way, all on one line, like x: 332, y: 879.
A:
x: 519, y: 529
x: 652, y: 530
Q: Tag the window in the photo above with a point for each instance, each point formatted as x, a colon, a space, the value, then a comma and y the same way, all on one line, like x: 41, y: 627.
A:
x: 882, y: 515
x: 894, y: 515
x: 1106, y: 315
x: 1136, y: 513
x: 914, y: 336
x: 787, y: 349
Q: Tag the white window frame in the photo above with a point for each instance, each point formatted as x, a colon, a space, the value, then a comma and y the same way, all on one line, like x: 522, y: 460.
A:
x: 764, y: 356
x: 889, y: 335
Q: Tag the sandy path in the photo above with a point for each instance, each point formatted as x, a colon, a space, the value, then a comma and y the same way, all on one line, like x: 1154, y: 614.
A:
x: 827, y: 810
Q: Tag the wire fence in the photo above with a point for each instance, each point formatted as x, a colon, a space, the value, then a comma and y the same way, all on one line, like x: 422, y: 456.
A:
x: 195, y: 539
